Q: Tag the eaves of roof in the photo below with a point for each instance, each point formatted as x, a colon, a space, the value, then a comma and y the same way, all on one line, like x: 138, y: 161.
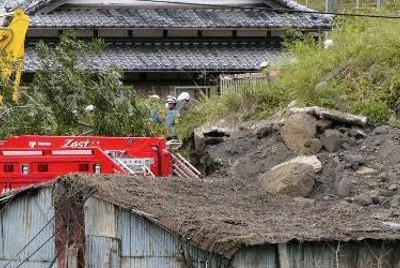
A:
x: 175, y: 57
x: 179, y: 18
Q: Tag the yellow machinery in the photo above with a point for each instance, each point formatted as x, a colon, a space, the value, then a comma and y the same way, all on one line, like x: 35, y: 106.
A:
x: 12, y: 43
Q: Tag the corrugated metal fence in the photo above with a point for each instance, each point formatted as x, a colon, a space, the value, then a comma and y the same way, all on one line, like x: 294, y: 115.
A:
x: 123, y: 238
x: 27, y: 231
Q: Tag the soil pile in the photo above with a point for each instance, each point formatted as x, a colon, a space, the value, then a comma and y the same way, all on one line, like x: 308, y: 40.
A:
x: 359, y: 163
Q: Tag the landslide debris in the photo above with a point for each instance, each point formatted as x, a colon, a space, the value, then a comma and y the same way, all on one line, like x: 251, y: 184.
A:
x: 353, y: 163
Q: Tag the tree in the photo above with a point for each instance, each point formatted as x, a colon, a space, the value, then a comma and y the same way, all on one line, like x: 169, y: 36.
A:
x: 67, y: 98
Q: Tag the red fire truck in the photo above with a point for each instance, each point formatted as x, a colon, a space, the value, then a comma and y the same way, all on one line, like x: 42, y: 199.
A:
x: 30, y: 159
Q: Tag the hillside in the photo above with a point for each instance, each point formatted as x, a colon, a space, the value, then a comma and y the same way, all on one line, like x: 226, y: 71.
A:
x: 359, y: 73
x: 324, y: 131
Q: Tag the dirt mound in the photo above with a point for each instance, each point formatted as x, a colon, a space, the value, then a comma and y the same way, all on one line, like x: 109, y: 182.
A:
x: 360, y: 164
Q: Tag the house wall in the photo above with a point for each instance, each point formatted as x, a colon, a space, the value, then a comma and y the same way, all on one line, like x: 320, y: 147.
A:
x: 27, y: 231
x: 117, y: 237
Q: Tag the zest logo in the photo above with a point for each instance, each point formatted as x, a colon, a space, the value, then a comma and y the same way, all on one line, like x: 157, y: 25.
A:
x: 72, y: 143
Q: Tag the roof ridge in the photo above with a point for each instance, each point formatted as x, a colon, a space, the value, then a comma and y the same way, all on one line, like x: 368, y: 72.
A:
x: 164, y: 9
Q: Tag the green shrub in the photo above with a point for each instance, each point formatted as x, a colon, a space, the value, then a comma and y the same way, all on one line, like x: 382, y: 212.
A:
x: 377, y: 111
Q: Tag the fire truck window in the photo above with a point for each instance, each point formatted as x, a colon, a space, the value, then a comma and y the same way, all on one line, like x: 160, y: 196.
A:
x: 83, y: 167
x: 8, y: 167
x: 43, y: 167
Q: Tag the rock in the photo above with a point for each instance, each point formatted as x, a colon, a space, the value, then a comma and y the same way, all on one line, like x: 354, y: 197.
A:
x: 209, y: 133
x: 363, y: 200
x: 304, y: 201
x: 294, y: 179
x: 340, y: 116
x: 323, y: 124
x: 331, y: 140
x: 311, y: 147
x: 383, y: 129
x: 304, y: 110
x: 298, y: 129
x: 344, y: 187
x: 324, y: 113
x: 357, y: 133
x: 309, y: 160
x: 367, y: 171
x: 354, y: 158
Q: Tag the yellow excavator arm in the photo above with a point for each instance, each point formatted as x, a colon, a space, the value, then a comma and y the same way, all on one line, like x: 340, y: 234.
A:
x: 12, y: 50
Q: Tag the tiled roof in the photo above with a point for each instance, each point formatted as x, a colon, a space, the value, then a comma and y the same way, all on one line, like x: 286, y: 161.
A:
x: 175, y: 57
x: 29, y: 6
x: 178, y: 18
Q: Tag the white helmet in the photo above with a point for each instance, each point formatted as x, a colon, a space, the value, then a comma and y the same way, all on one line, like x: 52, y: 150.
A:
x: 155, y: 97
x: 184, y: 96
x: 171, y: 100
x: 328, y: 43
x: 89, y: 108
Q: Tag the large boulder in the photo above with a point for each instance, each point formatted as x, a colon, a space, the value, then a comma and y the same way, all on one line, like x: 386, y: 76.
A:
x: 293, y: 179
x: 310, y: 160
x: 298, y: 130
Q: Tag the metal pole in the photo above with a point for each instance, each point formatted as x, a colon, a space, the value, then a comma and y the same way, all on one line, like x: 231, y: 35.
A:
x: 330, y: 6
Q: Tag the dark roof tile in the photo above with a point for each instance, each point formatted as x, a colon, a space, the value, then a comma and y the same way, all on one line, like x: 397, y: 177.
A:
x: 179, y: 18
x: 175, y: 57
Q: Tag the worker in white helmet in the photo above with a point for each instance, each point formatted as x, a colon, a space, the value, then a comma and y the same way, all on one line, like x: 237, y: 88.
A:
x: 170, y: 118
x: 183, y: 103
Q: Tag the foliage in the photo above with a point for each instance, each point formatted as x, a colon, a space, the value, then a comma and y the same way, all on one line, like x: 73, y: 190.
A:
x: 63, y: 91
